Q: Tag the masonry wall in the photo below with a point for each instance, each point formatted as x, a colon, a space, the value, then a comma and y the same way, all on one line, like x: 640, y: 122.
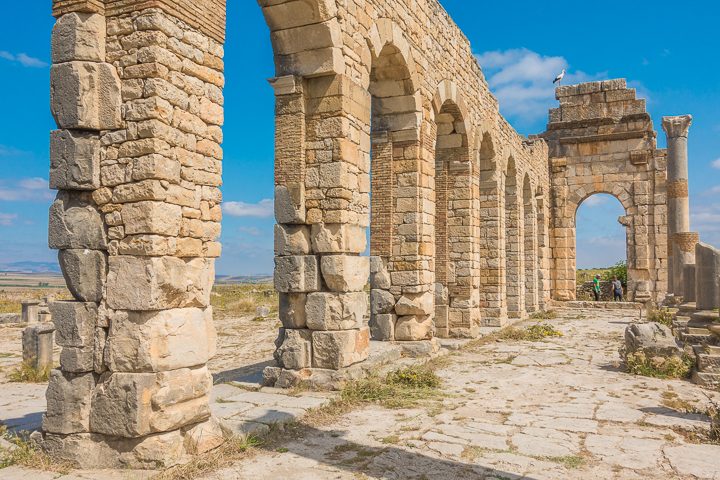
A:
x: 602, y: 140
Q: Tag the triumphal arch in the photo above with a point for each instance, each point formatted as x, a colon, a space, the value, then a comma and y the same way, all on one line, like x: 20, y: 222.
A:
x: 384, y: 121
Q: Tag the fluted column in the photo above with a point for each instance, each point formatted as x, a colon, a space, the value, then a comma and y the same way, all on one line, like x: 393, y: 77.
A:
x: 678, y: 204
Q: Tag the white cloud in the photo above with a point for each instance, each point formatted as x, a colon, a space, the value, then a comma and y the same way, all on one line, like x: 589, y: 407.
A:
x: 6, y: 151
x: 23, y: 59
x: 522, y: 81
x: 33, y: 189
x: 261, y: 209
x: 595, y: 201
x: 705, y: 218
x: 7, y: 219
x: 253, y: 231
x: 716, y: 164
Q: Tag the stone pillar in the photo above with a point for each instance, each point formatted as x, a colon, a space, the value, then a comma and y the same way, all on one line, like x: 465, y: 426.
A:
x: 136, y: 94
x: 707, y: 282
x: 37, y: 346
x: 320, y: 232
x: 678, y: 214
x: 683, y: 254
x: 30, y: 311
x: 689, y: 283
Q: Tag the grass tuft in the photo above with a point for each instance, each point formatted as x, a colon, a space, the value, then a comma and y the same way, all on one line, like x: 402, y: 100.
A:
x: 662, y: 316
x: 544, y: 315
x: 533, y: 333
x: 229, y: 452
x: 240, y: 300
x: 26, y: 453
x: 26, y: 373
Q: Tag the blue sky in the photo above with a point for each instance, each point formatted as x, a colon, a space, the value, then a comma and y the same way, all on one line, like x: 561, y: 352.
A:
x: 667, y: 52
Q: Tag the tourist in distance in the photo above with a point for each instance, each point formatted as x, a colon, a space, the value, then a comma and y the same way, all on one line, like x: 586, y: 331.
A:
x: 617, y: 289
x: 596, y: 287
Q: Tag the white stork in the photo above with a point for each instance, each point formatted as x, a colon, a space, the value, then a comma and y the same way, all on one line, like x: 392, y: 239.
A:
x: 559, y: 78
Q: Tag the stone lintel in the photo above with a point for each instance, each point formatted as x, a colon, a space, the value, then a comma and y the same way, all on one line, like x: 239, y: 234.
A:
x: 677, y: 126
x: 62, y: 7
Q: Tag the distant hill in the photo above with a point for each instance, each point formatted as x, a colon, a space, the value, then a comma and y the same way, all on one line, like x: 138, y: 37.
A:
x: 30, y: 267
x: 232, y: 280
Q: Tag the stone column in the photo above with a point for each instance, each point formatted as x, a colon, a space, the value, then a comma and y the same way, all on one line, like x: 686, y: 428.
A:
x: 136, y: 93
x: 707, y: 282
x: 676, y: 130
x: 683, y: 254
x: 37, y: 346
x: 689, y: 282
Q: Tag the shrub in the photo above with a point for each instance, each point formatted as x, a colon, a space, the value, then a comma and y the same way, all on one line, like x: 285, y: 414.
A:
x: 618, y: 270
x: 639, y: 363
x: 544, y: 315
x: 402, y: 388
x: 661, y: 315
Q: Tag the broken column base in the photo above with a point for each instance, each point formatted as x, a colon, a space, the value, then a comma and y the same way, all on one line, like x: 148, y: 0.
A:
x: 381, y: 353
x: 162, y: 450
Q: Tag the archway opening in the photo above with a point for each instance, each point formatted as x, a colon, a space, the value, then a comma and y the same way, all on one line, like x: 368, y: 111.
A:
x: 530, y: 241
x: 453, y: 228
x: 514, y: 243
x: 600, y: 245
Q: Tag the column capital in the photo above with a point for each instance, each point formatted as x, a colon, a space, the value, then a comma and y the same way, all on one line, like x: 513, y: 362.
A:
x: 677, y: 126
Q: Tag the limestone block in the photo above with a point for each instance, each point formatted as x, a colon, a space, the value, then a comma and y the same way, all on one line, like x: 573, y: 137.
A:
x: 651, y: 338
x: 75, y: 223
x: 345, y: 273
x: 78, y: 359
x: 290, y: 204
x: 297, y: 274
x: 85, y: 272
x: 132, y: 405
x: 292, y: 310
x: 85, y: 95
x: 414, y: 327
x: 381, y: 301
x: 204, y: 437
x: 379, y: 275
x: 382, y: 326
x: 158, y: 283
x: 689, y: 283
x: 338, y: 238
x: 152, y: 217
x: 68, y: 402
x: 160, y: 341
x: 415, y: 304
x: 294, y: 349
x: 336, y: 311
x: 79, y: 36
x: 339, y: 349
x: 292, y: 240
x: 75, y: 323
x: 74, y: 160
x: 37, y: 346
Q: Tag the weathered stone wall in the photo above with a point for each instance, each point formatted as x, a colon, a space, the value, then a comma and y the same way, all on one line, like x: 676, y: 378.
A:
x: 602, y: 140
x: 137, y: 96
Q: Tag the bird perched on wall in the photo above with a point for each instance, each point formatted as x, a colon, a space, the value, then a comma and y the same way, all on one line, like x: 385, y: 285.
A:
x: 559, y: 78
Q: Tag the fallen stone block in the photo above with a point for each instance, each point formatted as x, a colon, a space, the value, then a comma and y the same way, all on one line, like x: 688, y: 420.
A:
x: 654, y: 339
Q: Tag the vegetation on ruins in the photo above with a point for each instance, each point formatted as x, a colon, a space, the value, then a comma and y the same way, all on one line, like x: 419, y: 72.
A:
x: 532, y: 333
x: 27, y: 373
x: 24, y: 452
x: 661, y: 315
x: 239, y: 300
x: 639, y: 363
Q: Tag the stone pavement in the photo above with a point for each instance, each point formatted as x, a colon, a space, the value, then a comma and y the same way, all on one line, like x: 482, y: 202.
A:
x: 556, y: 409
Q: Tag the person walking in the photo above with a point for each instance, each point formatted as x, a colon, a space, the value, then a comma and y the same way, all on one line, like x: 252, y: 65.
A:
x: 596, y: 287
x: 617, y: 290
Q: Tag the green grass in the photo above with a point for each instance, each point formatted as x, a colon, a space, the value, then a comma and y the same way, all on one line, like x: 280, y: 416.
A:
x: 404, y: 388
x: 662, y: 316
x: 639, y: 363
x: 533, y: 333
x: 544, y: 315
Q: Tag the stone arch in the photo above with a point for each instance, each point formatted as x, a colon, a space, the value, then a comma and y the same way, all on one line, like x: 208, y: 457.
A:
x: 543, y: 244
x: 457, y: 312
x: 306, y: 37
x: 530, y: 242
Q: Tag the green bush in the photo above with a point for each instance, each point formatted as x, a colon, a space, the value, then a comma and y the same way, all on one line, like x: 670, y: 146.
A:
x: 639, y: 363
x: 618, y: 270
x: 662, y: 315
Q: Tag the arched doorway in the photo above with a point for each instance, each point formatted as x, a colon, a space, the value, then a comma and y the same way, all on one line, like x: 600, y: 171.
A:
x: 514, y: 243
x: 600, y: 242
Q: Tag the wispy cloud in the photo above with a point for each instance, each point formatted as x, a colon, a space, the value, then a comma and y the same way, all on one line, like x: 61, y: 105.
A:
x: 261, y: 209
x: 705, y: 218
x: 7, y: 151
x: 23, y: 59
x: 522, y: 81
x: 253, y: 231
x: 7, y: 219
x: 595, y: 200
x: 25, y: 189
x: 716, y: 164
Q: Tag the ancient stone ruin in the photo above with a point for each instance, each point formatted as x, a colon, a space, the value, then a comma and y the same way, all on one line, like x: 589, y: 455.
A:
x: 470, y: 223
